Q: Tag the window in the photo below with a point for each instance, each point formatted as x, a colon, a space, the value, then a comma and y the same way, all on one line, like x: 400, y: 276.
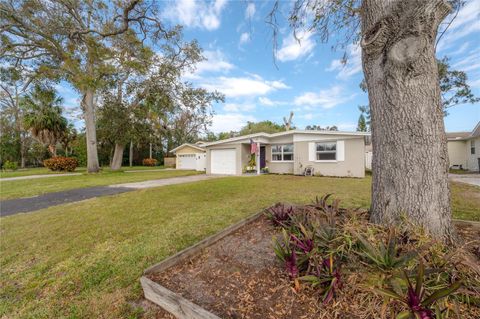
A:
x: 282, y: 152
x: 472, y: 147
x: 326, y: 151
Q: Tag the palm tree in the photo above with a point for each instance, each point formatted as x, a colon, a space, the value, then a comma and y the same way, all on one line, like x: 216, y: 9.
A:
x: 43, y: 117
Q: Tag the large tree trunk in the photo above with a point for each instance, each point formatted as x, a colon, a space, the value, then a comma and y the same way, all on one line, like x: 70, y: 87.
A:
x: 410, y: 160
x: 91, y: 132
x: 23, y: 150
x: 117, y: 156
x: 130, y: 155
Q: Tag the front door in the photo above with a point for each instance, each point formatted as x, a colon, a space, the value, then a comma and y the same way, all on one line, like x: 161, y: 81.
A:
x: 262, y: 157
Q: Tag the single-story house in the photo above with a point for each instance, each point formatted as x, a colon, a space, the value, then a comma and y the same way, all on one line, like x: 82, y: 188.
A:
x: 464, y: 149
x: 190, y: 156
x: 328, y: 153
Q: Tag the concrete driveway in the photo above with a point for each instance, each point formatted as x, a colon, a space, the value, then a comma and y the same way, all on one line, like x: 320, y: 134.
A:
x: 472, y: 179
x: 29, y: 204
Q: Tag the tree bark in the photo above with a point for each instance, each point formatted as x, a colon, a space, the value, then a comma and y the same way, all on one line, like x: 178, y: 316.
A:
x: 91, y: 132
x: 117, y: 156
x: 130, y: 154
x: 410, y: 160
x: 53, y: 149
x: 150, y: 151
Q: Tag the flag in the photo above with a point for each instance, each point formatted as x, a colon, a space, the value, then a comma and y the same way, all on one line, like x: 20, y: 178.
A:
x: 253, y: 147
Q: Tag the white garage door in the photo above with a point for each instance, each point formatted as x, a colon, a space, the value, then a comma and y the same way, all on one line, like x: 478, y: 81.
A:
x: 187, y: 161
x: 223, y: 161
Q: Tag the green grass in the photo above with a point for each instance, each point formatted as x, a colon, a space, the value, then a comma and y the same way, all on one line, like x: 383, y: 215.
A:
x: 46, y: 171
x: 461, y: 171
x: 84, y: 260
x: 32, y: 187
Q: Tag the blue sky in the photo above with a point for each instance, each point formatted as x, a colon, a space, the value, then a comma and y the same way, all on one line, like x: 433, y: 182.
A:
x: 308, y: 77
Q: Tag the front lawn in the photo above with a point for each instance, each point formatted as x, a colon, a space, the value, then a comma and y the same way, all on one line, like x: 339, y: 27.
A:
x: 84, y: 260
x: 32, y: 187
x: 45, y: 171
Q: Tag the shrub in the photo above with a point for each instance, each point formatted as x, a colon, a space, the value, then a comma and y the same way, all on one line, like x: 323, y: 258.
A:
x: 60, y: 163
x: 10, y: 165
x: 149, y: 162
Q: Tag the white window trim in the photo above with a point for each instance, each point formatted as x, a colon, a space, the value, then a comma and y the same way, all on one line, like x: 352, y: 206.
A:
x: 326, y: 161
x: 282, y: 161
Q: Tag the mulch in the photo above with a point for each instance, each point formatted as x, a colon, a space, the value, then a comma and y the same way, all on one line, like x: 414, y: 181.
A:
x: 240, y: 277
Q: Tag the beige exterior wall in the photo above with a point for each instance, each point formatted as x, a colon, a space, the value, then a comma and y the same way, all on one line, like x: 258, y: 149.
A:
x: 277, y: 167
x: 457, y: 153
x: 472, y: 159
x: 352, y: 166
x: 186, y: 150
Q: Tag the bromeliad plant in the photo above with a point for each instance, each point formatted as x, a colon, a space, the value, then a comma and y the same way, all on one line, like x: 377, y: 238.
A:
x: 385, y: 256
x: 325, y: 275
x: 284, y: 252
x: 280, y: 215
x: 419, y: 305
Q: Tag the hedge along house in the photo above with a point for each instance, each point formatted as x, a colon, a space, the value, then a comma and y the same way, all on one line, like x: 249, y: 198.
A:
x: 190, y: 156
x: 464, y: 149
x: 328, y: 153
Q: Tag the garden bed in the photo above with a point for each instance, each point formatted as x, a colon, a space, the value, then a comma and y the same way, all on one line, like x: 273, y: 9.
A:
x: 235, y: 274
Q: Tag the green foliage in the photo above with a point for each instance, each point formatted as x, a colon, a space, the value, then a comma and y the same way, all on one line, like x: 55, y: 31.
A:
x: 320, y: 128
x: 79, y: 149
x: 7, y: 165
x: 60, y: 163
x: 43, y: 115
x: 419, y: 305
x: 454, y: 86
x: 386, y: 255
x: 261, y: 127
x: 325, y: 275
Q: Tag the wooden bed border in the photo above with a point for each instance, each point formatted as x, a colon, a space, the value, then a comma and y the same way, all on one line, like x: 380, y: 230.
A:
x: 173, y: 302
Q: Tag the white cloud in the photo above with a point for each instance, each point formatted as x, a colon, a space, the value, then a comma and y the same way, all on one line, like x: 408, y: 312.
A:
x: 470, y: 62
x: 236, y: 107
x: 250, y: 10
x: 242, y: 86
x: 268, y: 102
x: 307, y: 116
x: 229, y: 122
x: 244, y: 38
x: 196, y: 13
x: 293, y: 49
x: 215, y: 62
x: 474, y: 83
x: 465, y: 23
x: 352, y: 65
x: 326, y: 99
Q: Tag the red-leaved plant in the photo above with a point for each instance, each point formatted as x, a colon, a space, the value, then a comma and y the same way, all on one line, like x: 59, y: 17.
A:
x: 280, y: 215
x: 327, y: 276
x: 420, y: 306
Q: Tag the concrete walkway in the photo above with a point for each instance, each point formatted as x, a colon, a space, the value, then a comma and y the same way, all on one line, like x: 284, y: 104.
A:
x: 36, y: 176
x: 166, y: 181
x: 29, y: 204
x: 472, y: 179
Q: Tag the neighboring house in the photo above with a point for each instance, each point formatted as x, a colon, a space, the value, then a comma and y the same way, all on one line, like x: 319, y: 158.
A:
x: 368, y: 156
x: 464, y: 149
x: 329, y: 153
x: 190, y: 156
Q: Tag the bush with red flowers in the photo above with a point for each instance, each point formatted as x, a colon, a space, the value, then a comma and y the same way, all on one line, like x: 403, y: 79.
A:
x: 149, y: 162
x: 61, y: 163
